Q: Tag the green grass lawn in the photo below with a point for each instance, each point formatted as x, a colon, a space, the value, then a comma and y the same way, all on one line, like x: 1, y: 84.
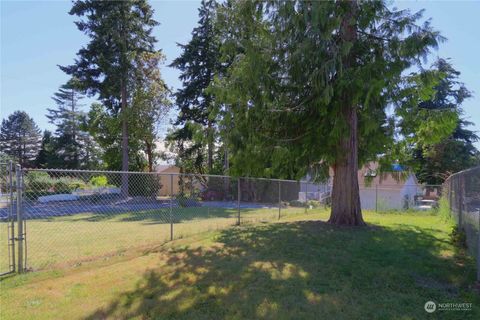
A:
x: 71, y: 240
x: 297, y: 268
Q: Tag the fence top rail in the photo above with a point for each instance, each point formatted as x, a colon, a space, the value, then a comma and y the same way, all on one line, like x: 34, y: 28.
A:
x: 215, y: 176
x: 463, y: 172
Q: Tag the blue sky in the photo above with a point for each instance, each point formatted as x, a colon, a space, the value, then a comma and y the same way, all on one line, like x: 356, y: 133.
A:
x: 36, y: 36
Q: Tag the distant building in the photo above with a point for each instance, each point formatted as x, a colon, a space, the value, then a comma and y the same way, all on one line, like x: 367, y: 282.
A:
x: 397, y: 189
x: 165, y: 172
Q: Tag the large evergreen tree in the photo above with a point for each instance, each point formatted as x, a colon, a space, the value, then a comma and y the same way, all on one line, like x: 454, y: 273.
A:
x: 47, y: 156
x: 310, y: 85
x: 194, y: 140
x: 119, y: 31
x: 20, y: 138
x: 68, y: 119
x: 435, y: 156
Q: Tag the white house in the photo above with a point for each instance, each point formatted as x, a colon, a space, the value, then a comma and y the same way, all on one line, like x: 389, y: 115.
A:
x: 397, y: 189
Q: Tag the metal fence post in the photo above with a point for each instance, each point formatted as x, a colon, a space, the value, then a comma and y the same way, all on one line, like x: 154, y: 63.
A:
x: 478, y: 248
x: 12, y: 216
x: 376, y: 197
x: 171, y: 207
x: 279, y: 199
x: 460, y: 201
x: 239, y: 194
x: 306, y: 197
x: 19, y: 238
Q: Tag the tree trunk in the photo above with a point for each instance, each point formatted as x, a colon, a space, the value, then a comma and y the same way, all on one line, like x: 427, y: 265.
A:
x: 149, y: 152
x: 124, y: 141
x: 210, y: 147
x: 346, y: 208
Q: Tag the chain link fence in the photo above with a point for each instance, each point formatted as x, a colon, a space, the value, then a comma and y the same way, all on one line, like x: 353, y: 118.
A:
x: 68, y: 217
x: 462, y: 191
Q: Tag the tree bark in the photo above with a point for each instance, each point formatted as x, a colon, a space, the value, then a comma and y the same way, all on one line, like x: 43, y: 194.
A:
x: 210, y: 147
x: 346, y: 208
x: 124, y: 141
x: 149, y: 152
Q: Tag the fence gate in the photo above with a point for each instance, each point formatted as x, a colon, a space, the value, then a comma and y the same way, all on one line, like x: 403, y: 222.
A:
x: 7, y: 218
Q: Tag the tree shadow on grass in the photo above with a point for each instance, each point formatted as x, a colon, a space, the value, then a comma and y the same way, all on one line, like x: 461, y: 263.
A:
x: 301, y: 270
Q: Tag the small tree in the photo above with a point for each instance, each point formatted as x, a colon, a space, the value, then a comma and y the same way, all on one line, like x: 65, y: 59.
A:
x: 20, y: 138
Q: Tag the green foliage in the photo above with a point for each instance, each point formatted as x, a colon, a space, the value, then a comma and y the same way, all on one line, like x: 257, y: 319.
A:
x: 436, y: 141
x: 41, y: 183
x: 314, y: 204
x: 297, y: 203
x: 144, y: 185
x: 120, y: 32
x: 458, y: 237
x: 185, y: 200
x: 443, y: 210
x: 294, y: 74
x: 70, y: 141
x: 98, y: 181
x: 47, y: 156
x: 194, y: 140
x: 20, y: 138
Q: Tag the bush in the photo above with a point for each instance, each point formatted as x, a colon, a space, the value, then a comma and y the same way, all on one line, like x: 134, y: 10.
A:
x: 98, y: 181
x: 314, y: 204
x: 297, y: 203
x: 38, y: 182
x: 458, y: 237
x: 144, y: 185
x: 67, y: 184
x: 185, y: 201
x: 443, y: 210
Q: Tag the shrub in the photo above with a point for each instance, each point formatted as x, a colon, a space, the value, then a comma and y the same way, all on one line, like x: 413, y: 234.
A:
x: 458, y: 237
x: 314, y: 203
x: 296, y: 203
x: 98, y: 181
x: 67, y: 184
x: 144, y: 185
x: 443, y: 210
x: 37, y: 181
x: 185, y: 201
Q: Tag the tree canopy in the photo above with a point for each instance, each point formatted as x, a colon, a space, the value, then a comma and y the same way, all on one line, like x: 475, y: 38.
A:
x: 310, y: 86
x: 20, y: 138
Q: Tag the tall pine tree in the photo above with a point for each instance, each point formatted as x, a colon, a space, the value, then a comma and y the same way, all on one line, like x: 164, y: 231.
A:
x: 119, y: 31
x: 194, y: 140
x: 68, y: 119
x: 20, y: 138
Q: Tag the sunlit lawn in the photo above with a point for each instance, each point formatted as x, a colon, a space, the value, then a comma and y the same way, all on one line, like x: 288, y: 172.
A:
x: 70, y: 240
x: 298, y: 268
